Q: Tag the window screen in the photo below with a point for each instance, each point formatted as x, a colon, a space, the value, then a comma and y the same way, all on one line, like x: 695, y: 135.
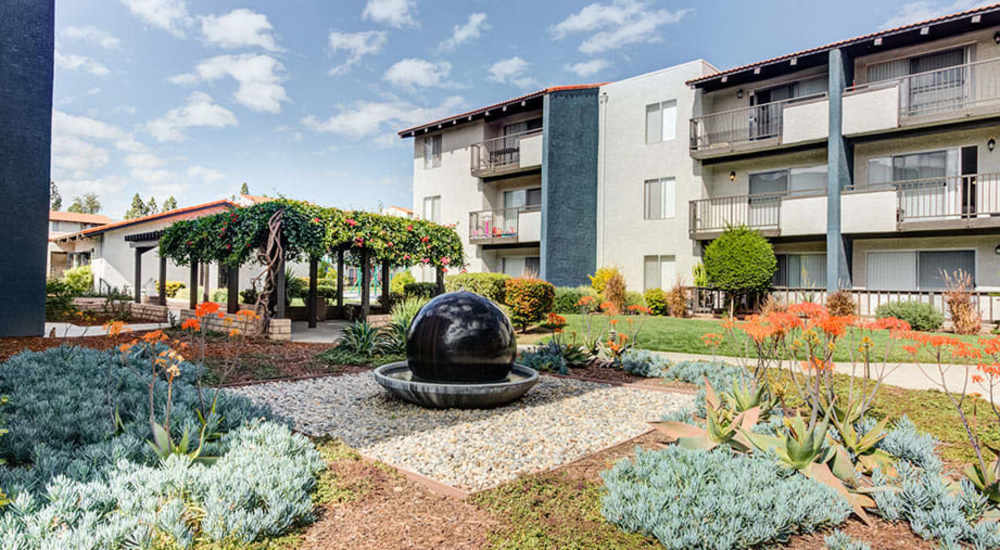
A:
x: 654, y: 123
x: 432, y: 151
x: 769, y: 182
x: 658, y: 272
x: 807, y: 180
x: 669, y: 109
x: 931, y: 264
x: 659, y: 198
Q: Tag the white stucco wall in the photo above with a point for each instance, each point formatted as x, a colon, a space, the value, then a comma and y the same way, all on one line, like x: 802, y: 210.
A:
x: 870, y: 110
x: 805, y: 121
x: 626, y: 161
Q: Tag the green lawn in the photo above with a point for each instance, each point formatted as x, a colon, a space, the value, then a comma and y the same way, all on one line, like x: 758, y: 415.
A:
x: 685, y: 336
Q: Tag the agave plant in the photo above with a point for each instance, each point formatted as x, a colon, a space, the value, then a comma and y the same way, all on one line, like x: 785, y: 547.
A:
x: 360, y: 338
x: 745, y: 395
x: 721, y: 428
x: 986, y: 480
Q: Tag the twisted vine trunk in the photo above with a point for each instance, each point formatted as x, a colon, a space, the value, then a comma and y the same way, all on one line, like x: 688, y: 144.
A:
x: 271, y: 257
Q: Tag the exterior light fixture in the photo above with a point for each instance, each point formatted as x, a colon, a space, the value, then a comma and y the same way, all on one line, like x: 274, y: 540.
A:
x: 991, y: 144
x: 732, y: 176
x: 997, y: 250
x: 996, y: 37
x: 739, y: 93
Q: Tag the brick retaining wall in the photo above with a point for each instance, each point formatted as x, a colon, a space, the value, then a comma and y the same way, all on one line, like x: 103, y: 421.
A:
x: 137, y: 312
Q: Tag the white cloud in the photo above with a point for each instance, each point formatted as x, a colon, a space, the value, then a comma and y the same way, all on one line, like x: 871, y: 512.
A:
x: 74, y: 62
x: 81, y: 126
x: 617, y: 24
x: 587, y: 68
x: 366, y: 118
x: 239, y: 28
x: 93, y: 91
x: 395, y: 13
x: 260, y: 86
x: 72, y: 155
x: 169, y: 15
x: 207, y: 175
x: 464, y: 33
x: 144, y: 160
x: 92, y: 34
x: 200, y: 111
x: 928, y: 9
x: 107, y: 188
x: 412, y: 72
x: 512, y: 71
x: 357, y: 45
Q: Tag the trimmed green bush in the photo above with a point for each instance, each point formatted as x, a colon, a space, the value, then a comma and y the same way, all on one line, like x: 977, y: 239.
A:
x: 920, y: 315
x: 420, y: 290
x: 693, y: 499
x: 634, y: 298
x: 58, y: 300
x: 530, y: 300
x: 79, y: 279
x: 740, y: 261
x: 172, y: 287
x: 490, y: 285
x: 600, y: 278
x: 397, y: 285
x: 656, y: 301
x: 567, y: 298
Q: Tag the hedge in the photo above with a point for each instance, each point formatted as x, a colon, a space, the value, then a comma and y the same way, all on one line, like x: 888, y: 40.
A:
x: 530, y: 300
x: 490, y: 285
x: 740, y: 260
x: 567, y: 299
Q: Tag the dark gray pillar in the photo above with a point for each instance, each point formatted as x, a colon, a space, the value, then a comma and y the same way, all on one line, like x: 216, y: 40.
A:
x: 193, y: 296
x: 162, y: 281
x: 26, y: 45
x: 206, y: 282
x: 311, y: 300
x: 439, y: 280
x: 366, y: 282
x: 138, y: 275
x: 340, y: 281
x: 233, y: 290
x: 385, y: 283
x: 839, y: 172
x: 280, y: 291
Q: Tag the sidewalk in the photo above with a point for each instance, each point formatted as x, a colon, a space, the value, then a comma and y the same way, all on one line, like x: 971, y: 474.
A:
x: 69, y: 330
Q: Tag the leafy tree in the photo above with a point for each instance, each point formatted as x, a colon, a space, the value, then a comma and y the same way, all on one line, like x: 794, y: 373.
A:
x: 169, y: 204
x: 151, y: 206
x: 55, y: 199
x: 740, y: 261
x: 86, y: 204
x: 244, y: 189
x: 137, y: 209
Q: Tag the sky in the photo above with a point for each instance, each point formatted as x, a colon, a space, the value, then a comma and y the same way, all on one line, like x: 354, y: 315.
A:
x: 303, y: 98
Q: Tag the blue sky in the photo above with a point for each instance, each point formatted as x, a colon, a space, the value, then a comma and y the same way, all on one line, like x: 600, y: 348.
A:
x: 303, y: 97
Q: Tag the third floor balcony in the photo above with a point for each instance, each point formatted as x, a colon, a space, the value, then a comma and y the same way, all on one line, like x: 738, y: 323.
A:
x: 510, y: 154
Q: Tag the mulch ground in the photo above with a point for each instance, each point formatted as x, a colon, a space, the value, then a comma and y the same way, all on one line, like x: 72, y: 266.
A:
x: 13, y: 346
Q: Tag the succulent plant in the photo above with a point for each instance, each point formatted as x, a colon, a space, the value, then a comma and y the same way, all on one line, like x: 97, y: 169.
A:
x: 721, y: 427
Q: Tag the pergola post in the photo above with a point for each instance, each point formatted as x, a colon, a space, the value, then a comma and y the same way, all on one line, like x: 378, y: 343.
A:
x: 311, y: 305
x: 193, y: 295
x: 138, y: 275
x: 232, y: 289
x: 366, y: 281
x: 385, y: 284
x: 162, y: 281
x: 279, y: 282
x: 340, y: 281
x: 204, y: 288
x: 439, y: 279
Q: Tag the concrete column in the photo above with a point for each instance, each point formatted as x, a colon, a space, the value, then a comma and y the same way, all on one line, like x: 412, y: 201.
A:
x: 839, y: 174
x: 162, y: 281
x: 138, y: 275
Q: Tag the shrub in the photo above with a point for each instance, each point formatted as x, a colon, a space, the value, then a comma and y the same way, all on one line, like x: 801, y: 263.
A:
x: 567, y: 299
x: 490, y: 285
x: 838, y: 540
x: 614, y: 291
x: 420, y: 290
x: 644, y: 363
x: 249, y: 295
x: 530, y: 300
x: 326, y: 289
x: 600, y: 278
x: 773, y: 304
x: 751, y: 499
x: 397, y: 285
x: 547, y: 357
x: 634, y: 298
x: 172, y: 287
x: 740, y: 261
x: 392, y: 337
x: 296, y: 287
x: 58, y: 300
x: 79, y: 279
x: 656, y: 301
x: 699, y: 275
x: 359, y: 338
x: 841, y: 304
x: 920, y: 315
x: 965, y: 318
x: 677, y: 300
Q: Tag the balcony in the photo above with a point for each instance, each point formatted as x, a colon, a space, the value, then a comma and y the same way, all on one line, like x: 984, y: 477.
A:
x: 772, y: 125
x: 954, y: 93
x: 956, y: 202
x: 508, y: 225
x: 507, y: 154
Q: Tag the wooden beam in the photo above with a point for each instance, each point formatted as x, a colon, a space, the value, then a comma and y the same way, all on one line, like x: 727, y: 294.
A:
x: 138, y: 275
x: 162, y: 290
x: 205, y: 282
x: 233, y: 290
x: 313, y: 272
x: 280, y: 283
x: 385, y: 284
x: 340, y: 281
x: 193, y: 295
x: 439, y: 279
x: 366, y: 281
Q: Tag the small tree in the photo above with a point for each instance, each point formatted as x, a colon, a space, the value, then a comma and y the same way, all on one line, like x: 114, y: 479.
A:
x: 740, y: 261
x: 55, y: 199
x: 87, y: 204
x: 169, y: 204
x: 244, y: 189
x: 137, y: 208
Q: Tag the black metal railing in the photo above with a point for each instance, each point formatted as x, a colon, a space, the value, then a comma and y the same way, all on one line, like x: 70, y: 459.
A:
x: 761, y: 211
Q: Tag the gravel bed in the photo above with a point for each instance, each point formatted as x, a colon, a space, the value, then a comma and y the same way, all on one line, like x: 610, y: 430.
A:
x: 558, y: 421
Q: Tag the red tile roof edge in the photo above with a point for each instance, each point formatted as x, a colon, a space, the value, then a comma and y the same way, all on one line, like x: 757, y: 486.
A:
x: 78, y: 217
x: 524, y: 97
x: 908, y: 26
x: 152, y: 217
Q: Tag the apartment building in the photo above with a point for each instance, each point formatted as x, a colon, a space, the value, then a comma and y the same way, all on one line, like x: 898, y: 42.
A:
x: 869, y: 163
x: 62, y: 223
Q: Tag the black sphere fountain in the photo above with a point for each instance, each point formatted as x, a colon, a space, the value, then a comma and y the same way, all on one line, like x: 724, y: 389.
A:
x: 460, y: 353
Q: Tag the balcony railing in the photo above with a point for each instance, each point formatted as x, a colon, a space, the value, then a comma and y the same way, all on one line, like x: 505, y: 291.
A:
x: 953, y: 197
x: 761, y: 211
x: 499, y: 155
x: 495, y: 225
x: 950, y: 89
x: 741, y: 126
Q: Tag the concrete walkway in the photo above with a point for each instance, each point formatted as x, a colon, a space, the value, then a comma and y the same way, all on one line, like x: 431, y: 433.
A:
x: 69, y: 330
x: 326, y: 332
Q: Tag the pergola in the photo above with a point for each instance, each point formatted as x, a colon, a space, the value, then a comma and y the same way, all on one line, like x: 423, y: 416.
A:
x: 285, y: 230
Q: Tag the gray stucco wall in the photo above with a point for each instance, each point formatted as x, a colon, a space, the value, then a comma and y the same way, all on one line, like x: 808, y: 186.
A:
x: 26, y: 42
x: 569, y: 187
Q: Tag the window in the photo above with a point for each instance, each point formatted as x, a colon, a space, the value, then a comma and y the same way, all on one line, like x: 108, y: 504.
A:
x: 523, y: 198
x: 432, y: 209
x: 658, y: 272
x: 917, y: 269
x: 53, y: 226
x: 659, y: 198
x: 800, y: 271
x: 520, y: 266
x: 661, y: 121
x: 792, y: 181
x: 913, y: 166
x: 432, y: 151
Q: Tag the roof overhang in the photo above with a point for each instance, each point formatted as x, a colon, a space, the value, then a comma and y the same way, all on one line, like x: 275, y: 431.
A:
x: 898, y: 37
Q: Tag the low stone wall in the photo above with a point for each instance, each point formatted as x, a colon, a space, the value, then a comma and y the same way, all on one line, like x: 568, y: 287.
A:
x: 280, y: 329
x: 214, y: 323
x: 150, y: 313
x: 301, y: 313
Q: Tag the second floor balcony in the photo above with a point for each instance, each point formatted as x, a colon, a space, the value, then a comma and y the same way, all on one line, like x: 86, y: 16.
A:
x: 508, y: 225
x: 769, y: 125
x: 954, y: 202
x: 508, y: 154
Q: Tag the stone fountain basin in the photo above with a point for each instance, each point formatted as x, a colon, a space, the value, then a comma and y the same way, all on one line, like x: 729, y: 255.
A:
x: 398, y: 379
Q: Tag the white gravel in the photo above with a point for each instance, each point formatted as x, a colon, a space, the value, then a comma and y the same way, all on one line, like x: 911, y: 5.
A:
x: 558, y: 421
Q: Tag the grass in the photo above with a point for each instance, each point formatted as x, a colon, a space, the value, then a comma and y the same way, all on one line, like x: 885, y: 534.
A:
x: 685, y: 336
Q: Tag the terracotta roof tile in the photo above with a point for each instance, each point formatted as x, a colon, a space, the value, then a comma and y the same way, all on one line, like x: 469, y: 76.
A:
x: 188, y: 212
x: 78, y: 217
